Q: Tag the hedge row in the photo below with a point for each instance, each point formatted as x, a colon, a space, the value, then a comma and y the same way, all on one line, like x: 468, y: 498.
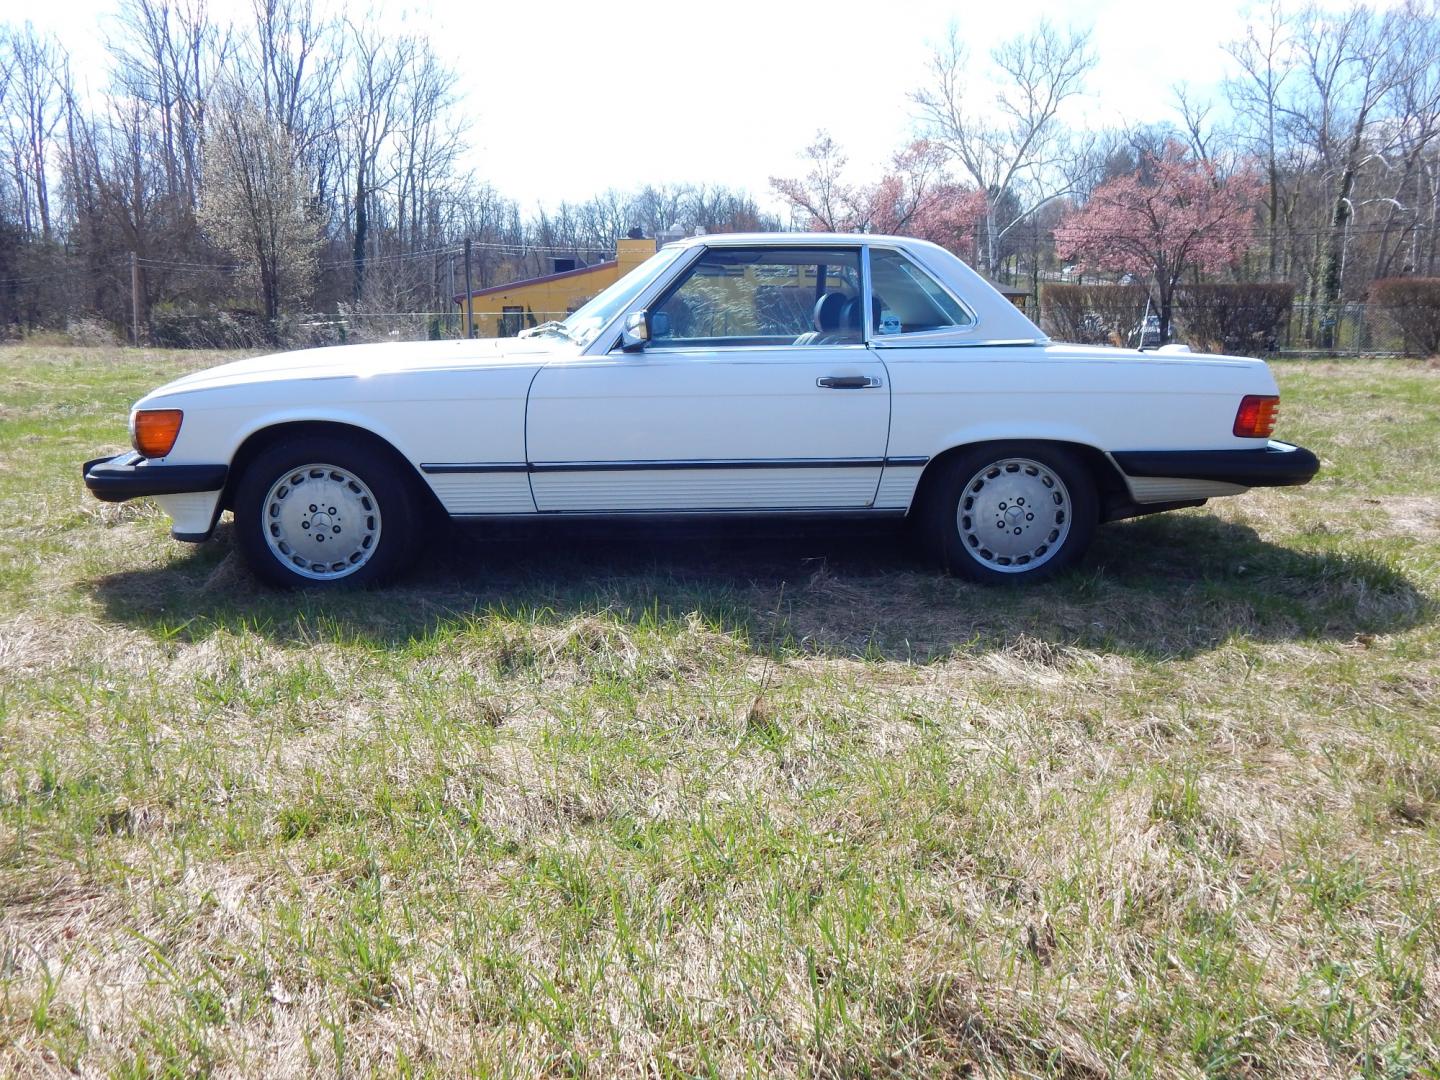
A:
x: 1235, y: 319
x: 1414, y: 305
x: 1093, y: 314
x: 1241, y: 320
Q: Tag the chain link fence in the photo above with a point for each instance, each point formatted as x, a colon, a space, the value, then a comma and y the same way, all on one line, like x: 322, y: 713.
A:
x: 1124, y: 316
x: 1346, y: 329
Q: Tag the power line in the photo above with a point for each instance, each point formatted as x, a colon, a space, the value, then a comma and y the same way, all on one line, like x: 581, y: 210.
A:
x: 427, y: 253
x: 69, y: 273
x: 167, y: 264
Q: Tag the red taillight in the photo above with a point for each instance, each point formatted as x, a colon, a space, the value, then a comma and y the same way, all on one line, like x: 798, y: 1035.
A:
x: 156, y: 431
x: 1255, y: 419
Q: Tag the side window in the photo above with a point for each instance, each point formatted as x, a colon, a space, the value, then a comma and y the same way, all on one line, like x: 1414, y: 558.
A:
x: 762, y: 296
x: 908, y: 299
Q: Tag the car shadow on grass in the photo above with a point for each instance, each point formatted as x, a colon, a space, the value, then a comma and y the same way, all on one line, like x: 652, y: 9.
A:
x: 1168, y: 586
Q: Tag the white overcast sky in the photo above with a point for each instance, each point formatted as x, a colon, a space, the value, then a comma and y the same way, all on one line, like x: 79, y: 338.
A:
x: 568, y: 99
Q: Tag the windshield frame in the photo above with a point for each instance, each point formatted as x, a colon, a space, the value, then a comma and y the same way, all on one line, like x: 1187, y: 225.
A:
x: 591, y: 322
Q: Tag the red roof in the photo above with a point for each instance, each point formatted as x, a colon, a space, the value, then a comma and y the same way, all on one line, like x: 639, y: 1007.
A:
x: 611, y: 265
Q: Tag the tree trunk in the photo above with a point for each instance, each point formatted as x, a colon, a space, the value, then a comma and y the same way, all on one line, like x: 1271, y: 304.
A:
x: 1274, y: 213
x: 1332, y: 264
x: 361, y: 231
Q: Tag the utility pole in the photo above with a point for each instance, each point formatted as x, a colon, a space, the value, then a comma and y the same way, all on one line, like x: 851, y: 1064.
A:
x: 469, y: 295
x: 449, y: 288
x: 134, y: 301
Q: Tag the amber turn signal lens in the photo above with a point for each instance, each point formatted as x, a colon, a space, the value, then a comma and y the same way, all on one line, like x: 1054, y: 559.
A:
x: 1255, y: 419
x: 156, y: 431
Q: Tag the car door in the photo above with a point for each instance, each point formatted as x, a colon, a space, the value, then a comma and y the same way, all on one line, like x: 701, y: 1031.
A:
x: 756, y: 392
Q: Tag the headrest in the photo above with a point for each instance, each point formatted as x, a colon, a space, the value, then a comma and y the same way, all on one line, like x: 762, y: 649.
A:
x: 852, y: 318
x: 829, y: 311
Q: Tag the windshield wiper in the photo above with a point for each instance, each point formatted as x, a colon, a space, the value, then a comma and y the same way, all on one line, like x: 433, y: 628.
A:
x: 554, y: 326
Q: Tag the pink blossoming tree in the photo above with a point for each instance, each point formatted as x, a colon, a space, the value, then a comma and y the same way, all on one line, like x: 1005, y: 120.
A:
x: 1173, y: 215
x: 916, y: 196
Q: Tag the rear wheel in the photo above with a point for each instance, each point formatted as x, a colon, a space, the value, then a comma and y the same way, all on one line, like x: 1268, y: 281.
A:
x: 316, y: 511
x: 1008, y: 512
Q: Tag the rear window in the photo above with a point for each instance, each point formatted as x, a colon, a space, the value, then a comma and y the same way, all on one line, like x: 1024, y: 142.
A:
x: 908, y: 299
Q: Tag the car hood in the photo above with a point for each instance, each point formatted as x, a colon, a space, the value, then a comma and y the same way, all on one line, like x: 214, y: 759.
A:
x: 368, y: 361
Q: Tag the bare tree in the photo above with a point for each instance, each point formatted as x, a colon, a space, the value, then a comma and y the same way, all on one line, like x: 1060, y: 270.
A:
x: 166, y: 56
x: 31, y: 108
x: 293, y: 54
x: 1414, y: 135
x: 716, y: 208
x: 1255, y: 96
x: 371, y: 111
x: 428, y: 144
x: 1015, y: 150
x: 657, y: 207
x: 6, y: 61
x: 10, y: 237
x: 1204, y: 138
x: 1349, y: 68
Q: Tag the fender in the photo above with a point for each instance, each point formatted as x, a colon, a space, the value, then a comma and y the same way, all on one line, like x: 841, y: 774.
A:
x: 1010, y: 431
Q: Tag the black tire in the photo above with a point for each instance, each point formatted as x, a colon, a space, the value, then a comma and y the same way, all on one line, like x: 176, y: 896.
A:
x: 1046, y: 544
x: 383, y: 506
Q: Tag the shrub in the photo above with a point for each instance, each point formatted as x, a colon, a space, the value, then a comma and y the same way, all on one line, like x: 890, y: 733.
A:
x: 311, y: 331
x: 90, y: 331
x: 175, y: 326
x: 1062, y: 313
x: 1244, y: 320
x: 1093, y: 314
x: 1414, y: 305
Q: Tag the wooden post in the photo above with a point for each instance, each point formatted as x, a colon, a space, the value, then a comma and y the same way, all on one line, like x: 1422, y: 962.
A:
x: 469, y: 295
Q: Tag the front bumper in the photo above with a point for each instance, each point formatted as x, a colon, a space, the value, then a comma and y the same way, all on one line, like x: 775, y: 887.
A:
x: 1276, y: 465
x: 129, y: 476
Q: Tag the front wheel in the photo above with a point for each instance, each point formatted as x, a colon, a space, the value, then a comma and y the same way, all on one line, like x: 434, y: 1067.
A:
x: 316, y: 511
x: 1008, y: 512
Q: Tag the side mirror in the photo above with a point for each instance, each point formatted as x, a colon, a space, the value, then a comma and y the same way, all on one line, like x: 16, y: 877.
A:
x: 636, y: 334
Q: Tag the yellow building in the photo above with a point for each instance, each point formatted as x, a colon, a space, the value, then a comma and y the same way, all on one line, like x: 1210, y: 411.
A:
x: 505, y: 310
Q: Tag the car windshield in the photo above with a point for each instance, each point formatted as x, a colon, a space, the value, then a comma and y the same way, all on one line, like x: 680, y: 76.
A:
x: 586, y: 322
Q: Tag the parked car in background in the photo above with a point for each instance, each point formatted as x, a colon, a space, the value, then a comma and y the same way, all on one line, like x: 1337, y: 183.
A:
x: 780, y: 375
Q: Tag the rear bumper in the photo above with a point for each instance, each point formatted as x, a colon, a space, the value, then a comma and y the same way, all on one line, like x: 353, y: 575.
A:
x: 1277, y: 465
x: 129, y: 476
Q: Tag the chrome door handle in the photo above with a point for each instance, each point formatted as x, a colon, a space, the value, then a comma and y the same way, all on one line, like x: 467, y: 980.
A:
x: 847, y: 382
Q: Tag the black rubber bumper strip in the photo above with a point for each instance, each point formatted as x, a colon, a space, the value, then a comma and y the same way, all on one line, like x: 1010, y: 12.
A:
x: 115, y: 479
x: 1277, y: 465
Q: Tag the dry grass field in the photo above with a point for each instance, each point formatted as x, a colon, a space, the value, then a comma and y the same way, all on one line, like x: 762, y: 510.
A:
x: 613, y: 803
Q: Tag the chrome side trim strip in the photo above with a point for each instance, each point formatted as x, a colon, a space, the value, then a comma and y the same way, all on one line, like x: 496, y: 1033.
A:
x: 671, y: 465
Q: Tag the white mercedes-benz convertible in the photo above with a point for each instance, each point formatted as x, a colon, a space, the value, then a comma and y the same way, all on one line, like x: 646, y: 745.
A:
x: 785, y: 374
